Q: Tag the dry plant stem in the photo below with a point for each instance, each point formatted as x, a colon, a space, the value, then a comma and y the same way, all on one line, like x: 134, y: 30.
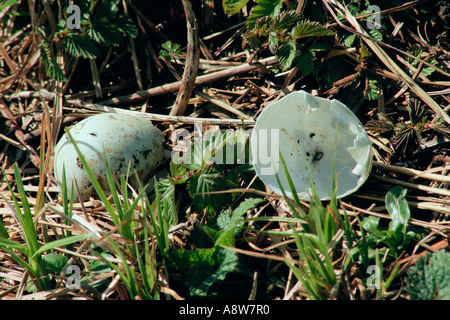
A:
x: 201, y: 80
x: 223, y: 105
x: 439, y: 191
x: 412, y: 172
x: 389, y: 63
x: 192, y: 61
x: 166, y: 118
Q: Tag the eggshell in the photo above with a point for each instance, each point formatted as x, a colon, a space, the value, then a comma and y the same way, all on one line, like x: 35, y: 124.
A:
x: 126, y: 139
x: 306, y: 129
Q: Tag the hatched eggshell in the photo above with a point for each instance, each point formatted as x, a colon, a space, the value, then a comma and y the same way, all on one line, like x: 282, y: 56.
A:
x: 305, y: 130
x: 126, y: 139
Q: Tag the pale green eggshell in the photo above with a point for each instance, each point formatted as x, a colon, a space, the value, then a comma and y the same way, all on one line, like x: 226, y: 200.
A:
x: 126, y: 139
x: 305, y: 129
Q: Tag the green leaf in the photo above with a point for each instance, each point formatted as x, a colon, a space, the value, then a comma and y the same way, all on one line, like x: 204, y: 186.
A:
x: 371, y: 223
x: 80, y: 46
x: 8, y: 3
x: 62, y: 242
x: 264, y: 8
x: 372, y: 93
x: 304, y: 61
x: 285, y: 21
x: 307, y: 28
x: 232, y: 7
x: 286, y: 54
x: 52, y: 69
x: 398, y: 209
x: 106, y: 9
x: 14, y: 245
x: 170, y: 50
x: 209, y: 180
x: 55, y: 262
x: 203, y: 267
x: 104, y: 31
x: 126, y: 26
x: 166, y: 188
x: 429, y: 279
x: 235, y: 222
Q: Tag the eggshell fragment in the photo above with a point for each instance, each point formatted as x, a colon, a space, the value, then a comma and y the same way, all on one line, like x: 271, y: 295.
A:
x: 125, y: 139
x: 305, y: 129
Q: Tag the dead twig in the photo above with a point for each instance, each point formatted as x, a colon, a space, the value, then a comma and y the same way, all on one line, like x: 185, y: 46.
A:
x: 192, y: 61
x: 200, y: 80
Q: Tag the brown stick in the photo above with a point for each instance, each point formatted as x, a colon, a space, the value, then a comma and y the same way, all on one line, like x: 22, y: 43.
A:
x: 192, y: 60
x: 201, y: 80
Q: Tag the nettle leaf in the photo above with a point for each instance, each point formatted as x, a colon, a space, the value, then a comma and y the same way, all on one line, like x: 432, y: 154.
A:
x: 286, y: 54
x: 80, y: 46
x: 304, y: 61
x: 103, y: 31
x: 232, y: 7
x: 203, y: 267
x: 286, y: 20
x: 429, y: 279
x: 231, y: 225
x: 209, y: 180
x: 166, y: 188
x: 307, y: 28
x: 106, y: 9
x: 264, y: 8
x: 126, y: 26
x: 52, y: 69
x: 210, y: 148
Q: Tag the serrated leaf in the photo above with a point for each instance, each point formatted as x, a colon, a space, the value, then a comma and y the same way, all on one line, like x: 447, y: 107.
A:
x: 233, y: 224
x: 80, y: 46
x: 305, y: 62
x: 264, y: 8
x: 106, y: 9
x: 232, y: 7
x: 170, y: 49
x: 126, y: 26
x: 209, y: 148
x: 179, y: 172
x: 286, y: 20
x: 203, y: 267
x: 310, y: 29
x: 166, y: 188
x: 209, y: 180
x: 376, y: 34
x: 103, y: 31
x: 52, y: 69
x: 429, y: 279
x: 286, y: 54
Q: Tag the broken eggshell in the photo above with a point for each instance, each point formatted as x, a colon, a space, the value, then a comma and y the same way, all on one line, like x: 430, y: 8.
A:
x: 305, y: 129
x: 124, y: 139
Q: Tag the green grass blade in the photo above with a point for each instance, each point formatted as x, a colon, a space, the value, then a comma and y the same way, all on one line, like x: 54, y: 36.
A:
x: 61, y: 243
